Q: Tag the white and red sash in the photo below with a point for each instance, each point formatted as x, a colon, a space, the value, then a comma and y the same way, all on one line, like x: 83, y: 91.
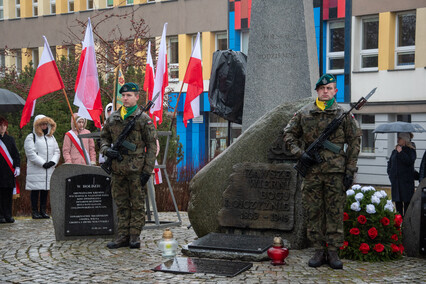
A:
x: 76, y: 141
x: 158, y: 178
x: 6, y: 155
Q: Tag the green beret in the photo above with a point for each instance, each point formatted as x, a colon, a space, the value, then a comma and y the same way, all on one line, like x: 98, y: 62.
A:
x: 325, y: 79
x: 129, y: 87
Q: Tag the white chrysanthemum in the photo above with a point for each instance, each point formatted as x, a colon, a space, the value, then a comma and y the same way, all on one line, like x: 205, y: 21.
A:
x: 375, y: 199
x: 389, y: 206
x: 367, y: 188
x: 384, y: 194
x: 370, y: 209
x: 350, y: 192
x: 356, y: 186
x: 359, y: 196
x: 355, y: 206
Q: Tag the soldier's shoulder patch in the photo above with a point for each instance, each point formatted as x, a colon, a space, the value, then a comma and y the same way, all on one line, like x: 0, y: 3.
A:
x: 149, y: 122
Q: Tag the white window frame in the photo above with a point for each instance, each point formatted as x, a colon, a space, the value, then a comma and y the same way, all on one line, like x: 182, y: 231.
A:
x: 17, y: 8
x: 244, y: 37
x: 220, y: 35
x: 18, y: 61
x: 368, y: 52
x: 2, y: 10
x: 173, y: 66
x: 35, y: 8
x: 52, y: 4
x: 35, y: 54
x: 71, y: 2
x: 87, y: 4
x: 106, y: 4
x: 337, y: 54
x: 367, y: 126
x: 130, y: 2
x: 403, y: 49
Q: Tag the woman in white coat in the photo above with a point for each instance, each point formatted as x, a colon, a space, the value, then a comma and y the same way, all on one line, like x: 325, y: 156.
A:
x: 43, y: 154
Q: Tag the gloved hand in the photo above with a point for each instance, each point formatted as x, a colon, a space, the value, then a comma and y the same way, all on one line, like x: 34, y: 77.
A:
x: 48, y: 164
x: 113, y: 154
x: 348, y: 180
x: 307, y: 160
x: 144, y: 178
x: 17, y: 171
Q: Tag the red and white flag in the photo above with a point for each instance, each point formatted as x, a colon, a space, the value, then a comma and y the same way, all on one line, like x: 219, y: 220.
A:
x: 194, y: 79
x: 46, y: 80
x: 148, y: 84
x: 161, y: 80
x: 87, y: 90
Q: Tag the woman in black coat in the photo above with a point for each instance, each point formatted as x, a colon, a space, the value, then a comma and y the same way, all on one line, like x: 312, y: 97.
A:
x: 401, y: 172
x: 9, y: 169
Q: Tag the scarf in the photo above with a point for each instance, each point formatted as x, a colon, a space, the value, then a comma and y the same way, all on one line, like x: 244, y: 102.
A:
x: 127, y: 111
x: 323, y: 105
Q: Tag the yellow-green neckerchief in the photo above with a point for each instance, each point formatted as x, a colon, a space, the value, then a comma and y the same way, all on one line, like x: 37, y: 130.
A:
x: 323, y: 105
x: 126, y: 111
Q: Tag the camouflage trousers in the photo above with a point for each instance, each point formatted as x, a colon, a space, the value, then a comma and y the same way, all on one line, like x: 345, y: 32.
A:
x: 324, y: 200
x: 130, y: 200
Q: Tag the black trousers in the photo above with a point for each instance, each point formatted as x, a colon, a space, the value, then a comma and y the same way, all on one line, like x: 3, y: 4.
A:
x: 402, y: 207
x: 6, y: 202
x: 35, y: 197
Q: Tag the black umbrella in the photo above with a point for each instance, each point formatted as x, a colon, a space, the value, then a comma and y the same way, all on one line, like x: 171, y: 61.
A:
x: 10, y: 102
x: 399, y: 126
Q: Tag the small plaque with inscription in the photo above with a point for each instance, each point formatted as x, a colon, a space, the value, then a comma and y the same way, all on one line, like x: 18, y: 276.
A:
x: 88, y: 206
x: 260, y: 196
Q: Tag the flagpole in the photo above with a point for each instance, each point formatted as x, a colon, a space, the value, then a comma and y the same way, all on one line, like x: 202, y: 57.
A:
x: 114, y: 94
x: 177, y: 102
x: 72, y: 114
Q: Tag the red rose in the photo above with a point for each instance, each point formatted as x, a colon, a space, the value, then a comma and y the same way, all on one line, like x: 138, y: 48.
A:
x: 379, y: 247
x: 364, y: 248
x: 394, y: 237
x: 372, y: 233
x: 394, y: 248
x: 345, y: 216
x: 385, y: 221
x: 345, y: 245
x: 354, y: 231
x: 401, y: 248
x: 398, y: 220
x: 362, y: 219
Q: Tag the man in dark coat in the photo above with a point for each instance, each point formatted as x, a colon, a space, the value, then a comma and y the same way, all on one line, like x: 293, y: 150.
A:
x: 401, y: 172
x: 9, y: 169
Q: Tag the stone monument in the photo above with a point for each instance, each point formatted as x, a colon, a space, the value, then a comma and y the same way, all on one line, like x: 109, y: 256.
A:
x: 81, y: 202
x: 282, y: 64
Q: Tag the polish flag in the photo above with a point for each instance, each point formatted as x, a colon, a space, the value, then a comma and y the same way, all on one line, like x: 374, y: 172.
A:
x: 87, y: 90
x: 194, y: 79
x: 148, y: 84
x: 46, y: 80
x: 161, y: 80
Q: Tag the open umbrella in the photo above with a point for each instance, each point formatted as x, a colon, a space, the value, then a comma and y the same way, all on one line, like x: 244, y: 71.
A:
x: 399, y: 126
x: 10, y: 102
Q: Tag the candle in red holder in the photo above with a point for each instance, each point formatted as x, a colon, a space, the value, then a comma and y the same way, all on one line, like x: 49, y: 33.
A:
x: 277, y: 253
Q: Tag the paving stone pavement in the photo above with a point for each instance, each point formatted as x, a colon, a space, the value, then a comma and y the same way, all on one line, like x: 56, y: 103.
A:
x: 29, y: 253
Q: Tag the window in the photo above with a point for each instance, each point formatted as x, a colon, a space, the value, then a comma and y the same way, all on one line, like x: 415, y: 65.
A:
x: 1, y: 10
x: 194, y: 37
x: 369, y: 43
x: 52, y: 6
x: 53, y: 50
x: 405, y: 40
x: 35, y: 58
x: 17, y: 8
x: 335, y: 47
x: 2, y: 61
x: 221, y: 41
x: 110, y: 3
x: 35, y: 8
x: 89, y: 5
x: 367, y: 123
x: 71, y: 52
x: 18, y: 60
x: 129, y: 2
x: 218, y: 134
x: 404, y: 117
x: 70, y: 5
x: 173, y: 56
x: 244, y: 42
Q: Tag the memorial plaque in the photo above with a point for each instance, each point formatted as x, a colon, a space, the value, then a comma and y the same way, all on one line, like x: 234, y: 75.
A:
x: 88, y: 206
x: 260, y: 196
x: 199, y: 265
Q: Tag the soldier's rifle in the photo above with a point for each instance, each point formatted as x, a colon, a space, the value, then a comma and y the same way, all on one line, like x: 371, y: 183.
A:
x: 322, y: 140
x: 121, y: 140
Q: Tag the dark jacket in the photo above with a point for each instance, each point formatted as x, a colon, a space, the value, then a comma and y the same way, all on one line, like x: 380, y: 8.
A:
x: 7, y: 177
x: 401, y: 174
x: 422, y: 169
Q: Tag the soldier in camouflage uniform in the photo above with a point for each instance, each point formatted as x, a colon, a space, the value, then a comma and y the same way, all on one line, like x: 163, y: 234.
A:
x: 325, y: 183
x: 129, y: 175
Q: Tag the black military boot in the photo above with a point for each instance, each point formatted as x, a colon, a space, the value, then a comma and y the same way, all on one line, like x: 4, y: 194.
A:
x: 134, y: 241
x: 120, y: 241
x: 36, y: 215
x: 318, y: 259
x: 334, y: 260
x: 44, y: 215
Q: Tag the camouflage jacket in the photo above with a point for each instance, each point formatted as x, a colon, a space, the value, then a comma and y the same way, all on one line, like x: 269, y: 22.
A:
x: 143, y: 136
x: 307, y: 125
